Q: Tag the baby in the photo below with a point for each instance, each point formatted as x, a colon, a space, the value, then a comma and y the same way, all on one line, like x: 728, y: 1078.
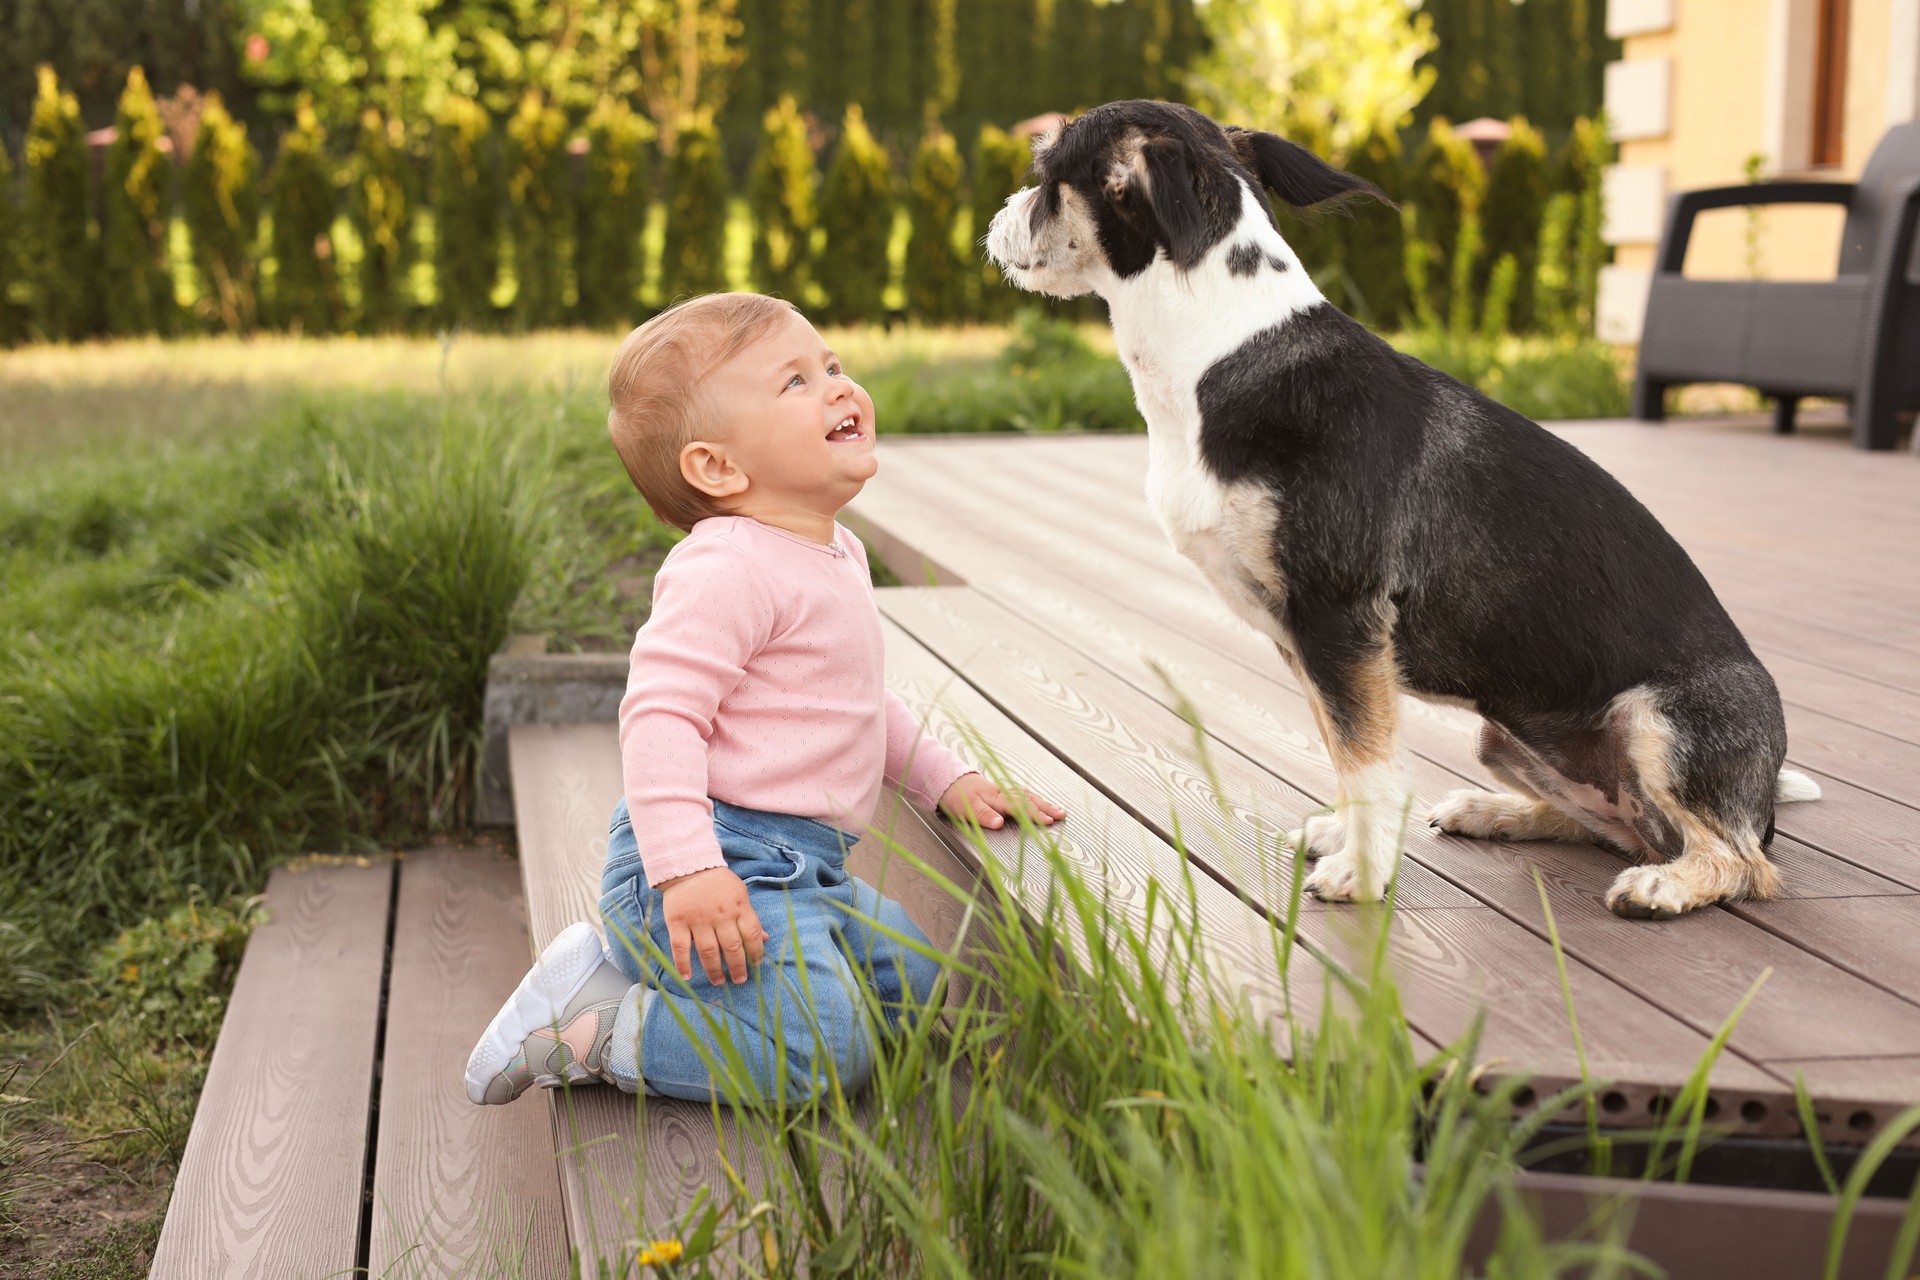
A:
x: 755, y: 737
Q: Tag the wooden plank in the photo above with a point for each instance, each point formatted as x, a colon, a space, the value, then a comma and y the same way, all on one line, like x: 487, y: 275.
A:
x: 1029, y: 531
x: 270, y: 1184
x: 1880, y: 707
x: 1104, y: 843
x: 630, y: 1167
x: 1526, y: 1022
x: 1871, y: 937
x: 458, y: 1190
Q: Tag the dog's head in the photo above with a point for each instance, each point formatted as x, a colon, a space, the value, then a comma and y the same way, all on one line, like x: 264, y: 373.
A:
x: 1131, y: 183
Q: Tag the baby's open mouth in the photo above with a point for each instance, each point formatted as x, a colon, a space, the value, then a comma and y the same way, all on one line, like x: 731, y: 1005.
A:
x: 849, y: 429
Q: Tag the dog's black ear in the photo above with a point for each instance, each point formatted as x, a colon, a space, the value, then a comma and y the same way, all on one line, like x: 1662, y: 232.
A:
x: 1158, y: 188
x: 1294, y: 173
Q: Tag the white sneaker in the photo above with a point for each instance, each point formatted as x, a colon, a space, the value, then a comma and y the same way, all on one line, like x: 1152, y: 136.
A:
x: 555, y: 1027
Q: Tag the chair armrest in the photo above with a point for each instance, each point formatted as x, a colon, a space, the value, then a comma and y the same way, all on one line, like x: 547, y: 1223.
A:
x: 1683, y: 207
x: 1889, y: 281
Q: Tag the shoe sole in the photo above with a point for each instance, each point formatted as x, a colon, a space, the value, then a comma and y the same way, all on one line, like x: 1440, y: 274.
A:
x: 555, y: 979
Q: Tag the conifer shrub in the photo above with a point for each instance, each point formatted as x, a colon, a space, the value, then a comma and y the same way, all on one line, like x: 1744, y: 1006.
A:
x: 1000, y: 163
x: 1445, y: 184
x: 1374, y: 237
x: 306, y: 296
x: 380, y: 203
x: 856, y: 213
x: 138, y: 280
x: 221, y: 201
x: 613, y: 213
x: 11, y: 327
x: 466, y: 211
x: 60, y: 247
x: 781, y: 194
x: 935, y: 286
x: 540, y: 200
x: 692, y: 258
x: 1515, y: 204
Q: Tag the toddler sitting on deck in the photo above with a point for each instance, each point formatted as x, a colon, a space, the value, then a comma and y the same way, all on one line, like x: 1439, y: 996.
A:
x: 755, y: 736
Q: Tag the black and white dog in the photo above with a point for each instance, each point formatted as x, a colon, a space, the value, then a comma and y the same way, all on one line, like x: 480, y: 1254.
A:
x: 1393, y: 530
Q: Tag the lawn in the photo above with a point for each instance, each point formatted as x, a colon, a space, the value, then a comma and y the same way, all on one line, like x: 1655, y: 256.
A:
x: 248, y: 592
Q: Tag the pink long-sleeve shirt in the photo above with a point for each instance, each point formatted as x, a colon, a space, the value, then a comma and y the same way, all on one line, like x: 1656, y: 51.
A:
x: 757, y: 680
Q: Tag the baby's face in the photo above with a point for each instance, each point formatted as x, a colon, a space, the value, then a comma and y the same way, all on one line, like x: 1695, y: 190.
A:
x: 778, y: 409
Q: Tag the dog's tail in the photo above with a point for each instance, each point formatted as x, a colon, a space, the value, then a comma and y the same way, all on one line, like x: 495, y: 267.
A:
x: 1792, y: 787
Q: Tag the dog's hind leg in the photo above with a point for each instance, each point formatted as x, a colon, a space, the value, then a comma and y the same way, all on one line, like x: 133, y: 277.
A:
x: 1698, y: 794
x: 1520, y: 814
x: 1346, y: 660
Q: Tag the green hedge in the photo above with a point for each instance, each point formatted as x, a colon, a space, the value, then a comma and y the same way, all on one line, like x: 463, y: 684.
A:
x: 380, y: 201
x: 780, y: 196
x: 692, y: 260
x: 936, y: 291
x: 466, y: 202
x: 1000, y: 163
x: 306, y: 297
x: 221, y: 199
x: 613, y: 211
x: 852, y: 263
x: 61, y: 252
x: 12, y: 329
x: 134, y: 205
x: 541, y: 196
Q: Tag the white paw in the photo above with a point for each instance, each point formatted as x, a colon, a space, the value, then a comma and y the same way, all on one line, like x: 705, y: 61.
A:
x: 1324, y: 834
x: 1338, y: 877
x: 1480, y: 815
x: 1652, y: 893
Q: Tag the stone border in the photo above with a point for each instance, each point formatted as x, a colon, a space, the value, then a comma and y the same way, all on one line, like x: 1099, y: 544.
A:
x: 526, y: 685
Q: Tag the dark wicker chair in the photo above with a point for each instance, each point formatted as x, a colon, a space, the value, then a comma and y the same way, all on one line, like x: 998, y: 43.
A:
x: 1857, y: 335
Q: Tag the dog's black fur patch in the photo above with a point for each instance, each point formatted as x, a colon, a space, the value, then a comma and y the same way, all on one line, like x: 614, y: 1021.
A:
x: 1244, y: 259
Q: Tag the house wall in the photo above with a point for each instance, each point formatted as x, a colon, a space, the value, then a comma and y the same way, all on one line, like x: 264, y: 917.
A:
x: 1705, y: 84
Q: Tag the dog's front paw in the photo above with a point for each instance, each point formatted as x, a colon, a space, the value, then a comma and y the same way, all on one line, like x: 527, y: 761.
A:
x: 1478, y: 815
x: 1653, y: 893
x: 1341, y: 877
x: 1323, y: 835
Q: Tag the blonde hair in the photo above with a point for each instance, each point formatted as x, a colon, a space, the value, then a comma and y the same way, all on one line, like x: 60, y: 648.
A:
x: 653, y: 391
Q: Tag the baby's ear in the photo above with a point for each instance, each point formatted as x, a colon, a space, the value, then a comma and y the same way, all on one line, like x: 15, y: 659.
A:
x: 707, y: 467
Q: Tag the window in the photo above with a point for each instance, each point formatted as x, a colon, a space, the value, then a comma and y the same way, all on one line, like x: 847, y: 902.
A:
x: 1830, y: 84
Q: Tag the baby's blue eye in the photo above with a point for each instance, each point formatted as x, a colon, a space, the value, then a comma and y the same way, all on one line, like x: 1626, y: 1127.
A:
x: 790, y: 381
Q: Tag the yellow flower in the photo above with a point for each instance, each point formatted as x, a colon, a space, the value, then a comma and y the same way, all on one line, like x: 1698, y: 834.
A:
x: 661, y: 1252
x: 130, y: 974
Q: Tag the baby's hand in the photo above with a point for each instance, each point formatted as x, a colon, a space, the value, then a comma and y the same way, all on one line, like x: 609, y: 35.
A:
x: 708, y: 912
x: 971, y: 793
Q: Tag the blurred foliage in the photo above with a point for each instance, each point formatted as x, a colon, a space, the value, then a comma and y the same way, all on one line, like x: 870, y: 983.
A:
x: 781, y: 193
x: 1516, y: 202
x: 466, y: 199
x: 540, y: 194
x: 380, y: 202
x: 696, y: 199
x: 220, y: 196
x: 1000, y: 162
x: 306, y: 295
x: 613, y: 209
x: 135, y: 204
x: 1445, y: 187
x: 852, y: 264
x: 60, y: 252
x: 935, y: 279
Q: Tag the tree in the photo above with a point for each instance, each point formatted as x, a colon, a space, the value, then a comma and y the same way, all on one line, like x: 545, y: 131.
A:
x: 351, y: 56
x: 1324, y: 73
x: 466, y: 204
x: 856, y: 211
x: 540, y: 202
x: 1373, y: 252
x: 380, y: 204
x: 221, y: 200
x: 134, y: 206
x: 306, y: 295
x: 934, y: 284
x: 61, y: 250
x: 1515, y: 203
x: 687, y: 52
x: 10, y: 326
x: 1445, y: 187
x: 692, y: 260
x: 613, y: 211
x: 1000, y: 163
x: 781, y: 196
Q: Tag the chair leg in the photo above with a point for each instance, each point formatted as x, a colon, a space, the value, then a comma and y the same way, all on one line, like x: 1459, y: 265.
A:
x: 1783, y: 410
x: 1876, y: 414
x: 1649, y: 399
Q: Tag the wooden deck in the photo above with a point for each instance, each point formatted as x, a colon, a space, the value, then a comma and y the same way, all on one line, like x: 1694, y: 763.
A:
x: 1059, y: 591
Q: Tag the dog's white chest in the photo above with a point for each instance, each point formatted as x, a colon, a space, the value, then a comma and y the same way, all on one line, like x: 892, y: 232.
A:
x: 1229, y: 532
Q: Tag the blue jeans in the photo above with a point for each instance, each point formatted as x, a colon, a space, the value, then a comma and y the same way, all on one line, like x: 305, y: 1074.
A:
x: 805, y: 1010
